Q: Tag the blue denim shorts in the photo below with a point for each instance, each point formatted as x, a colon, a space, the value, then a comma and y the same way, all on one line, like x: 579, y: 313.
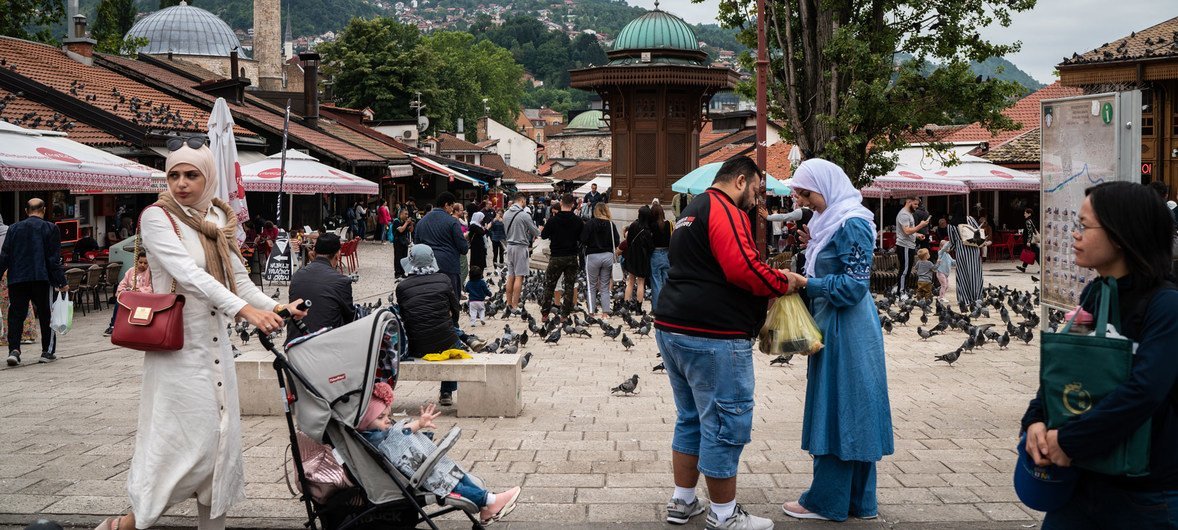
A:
x: 712, y: 380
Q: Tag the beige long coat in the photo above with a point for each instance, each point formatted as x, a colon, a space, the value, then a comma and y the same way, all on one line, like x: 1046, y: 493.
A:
x: 189, y: 438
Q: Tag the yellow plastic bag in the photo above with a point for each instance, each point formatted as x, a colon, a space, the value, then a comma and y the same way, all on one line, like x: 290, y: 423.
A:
x: 789, y: 329
x: 446, y: 355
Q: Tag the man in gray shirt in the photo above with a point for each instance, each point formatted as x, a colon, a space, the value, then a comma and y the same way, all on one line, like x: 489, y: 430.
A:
x: 521, y: 231
x: 906, y: 233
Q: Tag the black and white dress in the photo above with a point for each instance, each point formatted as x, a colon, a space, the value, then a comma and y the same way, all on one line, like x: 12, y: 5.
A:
x: 969, y: 265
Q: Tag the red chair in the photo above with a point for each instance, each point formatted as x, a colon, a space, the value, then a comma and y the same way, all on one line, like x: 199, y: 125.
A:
x: 1004, y: 243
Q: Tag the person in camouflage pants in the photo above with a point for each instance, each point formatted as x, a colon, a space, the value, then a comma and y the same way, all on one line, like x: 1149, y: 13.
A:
x: 563, y: 231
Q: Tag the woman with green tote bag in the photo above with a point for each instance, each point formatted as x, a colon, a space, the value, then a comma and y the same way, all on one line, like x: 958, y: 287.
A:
x: 1123, y: 438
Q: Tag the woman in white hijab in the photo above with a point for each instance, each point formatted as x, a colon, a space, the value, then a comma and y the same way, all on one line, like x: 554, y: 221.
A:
x: 188, y: 442
x: 847, y: 422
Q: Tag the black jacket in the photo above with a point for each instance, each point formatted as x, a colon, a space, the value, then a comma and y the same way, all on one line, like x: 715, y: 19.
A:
x: 599, y: 236
x: 714, y: 259
x: 564, y: 233
x: 32, y: 253
x: 329, y: 292
x: 429, y: 309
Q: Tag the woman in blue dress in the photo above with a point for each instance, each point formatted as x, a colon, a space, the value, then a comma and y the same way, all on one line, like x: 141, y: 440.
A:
x: 847, y: 423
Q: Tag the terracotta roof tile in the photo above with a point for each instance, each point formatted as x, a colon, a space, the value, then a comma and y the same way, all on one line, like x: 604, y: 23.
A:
x: 745, y: 135
x: 448, y: 143
x: 103, y: 88
x: 726, y: 152
x: 1157, y: 41
x: 257, y: 112
x: 43, y: 118
x: 520, y: 176
x: 583, y: 172
x: 1023, y: 148
x: 777, y: 160
x: 1025, y: 113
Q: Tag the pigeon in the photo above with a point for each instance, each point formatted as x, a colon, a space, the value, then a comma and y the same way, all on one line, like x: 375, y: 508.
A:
x: 522, y: 338
x: 626, y: 342
x: 1004, y: 341
x: 887, y: 325
x: 781, y: 359
x: 612, y: 332
x: 950, y: 357
x: 510, y: 348
x: 643, y: 330
x: 659, y: 368
x: 925, y: 335
x: 553, y: 337
x: 627, y: 387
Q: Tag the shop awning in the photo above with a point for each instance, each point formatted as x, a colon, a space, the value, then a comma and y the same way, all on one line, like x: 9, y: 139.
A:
x: 976, y: 172
x: 436, y: 168
x: 603, y: 183
x: 47, y: 160
x: 305, y: 175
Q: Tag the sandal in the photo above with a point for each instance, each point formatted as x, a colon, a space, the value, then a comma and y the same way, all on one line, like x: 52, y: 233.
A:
x: 508, y: 506
x: 111, y: 523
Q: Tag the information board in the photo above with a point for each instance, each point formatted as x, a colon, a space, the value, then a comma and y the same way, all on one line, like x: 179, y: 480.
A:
x: 1086, y: 140
x: 278, y: 264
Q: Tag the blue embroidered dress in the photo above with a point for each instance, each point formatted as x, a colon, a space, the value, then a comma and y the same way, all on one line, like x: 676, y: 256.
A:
x: 847, y: 412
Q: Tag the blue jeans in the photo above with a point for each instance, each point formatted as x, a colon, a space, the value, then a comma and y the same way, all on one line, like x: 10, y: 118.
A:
x: 660, y: 265
x: 467, y: 490
x: 712, y: 381
x: 841, y: 488
x: 1099, y: 505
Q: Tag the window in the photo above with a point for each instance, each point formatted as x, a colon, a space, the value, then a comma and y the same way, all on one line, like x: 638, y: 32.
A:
x: 507, y: 159
x: 599, y: 153
x: 562, y: 154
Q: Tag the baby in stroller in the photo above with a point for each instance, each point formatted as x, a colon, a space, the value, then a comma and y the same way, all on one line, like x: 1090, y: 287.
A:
x: 395, y: 441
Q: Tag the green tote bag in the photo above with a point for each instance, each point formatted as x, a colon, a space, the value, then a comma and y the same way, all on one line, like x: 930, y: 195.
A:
x: 1077, y: 371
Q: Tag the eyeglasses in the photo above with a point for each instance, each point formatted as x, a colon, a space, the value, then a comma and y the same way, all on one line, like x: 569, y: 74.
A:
x: 1079, y: 227
x: 194, y: 142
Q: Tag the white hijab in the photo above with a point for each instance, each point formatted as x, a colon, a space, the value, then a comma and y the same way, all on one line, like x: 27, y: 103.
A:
x: 477, y: 218
x: 843, y: 202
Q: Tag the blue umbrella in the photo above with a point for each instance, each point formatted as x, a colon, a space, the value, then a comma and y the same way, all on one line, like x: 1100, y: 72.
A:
x: 701, y: 178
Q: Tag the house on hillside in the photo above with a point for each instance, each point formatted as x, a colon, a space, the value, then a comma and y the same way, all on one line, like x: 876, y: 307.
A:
x: 517, y: 149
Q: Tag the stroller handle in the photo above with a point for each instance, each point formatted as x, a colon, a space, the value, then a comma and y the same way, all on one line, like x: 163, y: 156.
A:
x: 265, y: 339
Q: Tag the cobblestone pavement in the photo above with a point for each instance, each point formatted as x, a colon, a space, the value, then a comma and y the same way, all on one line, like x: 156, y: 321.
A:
x: 585, y: 459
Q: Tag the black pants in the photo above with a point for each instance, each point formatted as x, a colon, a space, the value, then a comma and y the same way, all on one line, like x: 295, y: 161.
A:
x: 497, y: 249
x: 19, y: 296
x: 907, y: 259
x: 400, y: 250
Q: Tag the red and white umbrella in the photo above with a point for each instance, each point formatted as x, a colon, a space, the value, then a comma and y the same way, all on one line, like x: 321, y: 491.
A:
x: 904, y: 180
x: 976, y: 172
x: 47, y: 160
x: 224, y: 147
x: 305, y: 175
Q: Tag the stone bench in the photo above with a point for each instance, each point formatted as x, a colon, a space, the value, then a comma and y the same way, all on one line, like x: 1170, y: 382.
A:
x: 489, y: 385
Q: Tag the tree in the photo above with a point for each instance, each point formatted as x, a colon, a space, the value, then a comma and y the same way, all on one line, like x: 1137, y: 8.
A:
x: 835, y: 80
x: 473, y: 72
x: 17, y: 15
x: 113, y: 20
x: 170, y: 3
x: 379, y: 63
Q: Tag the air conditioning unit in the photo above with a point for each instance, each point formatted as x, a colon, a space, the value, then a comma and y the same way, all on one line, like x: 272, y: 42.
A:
x: 408, y: 135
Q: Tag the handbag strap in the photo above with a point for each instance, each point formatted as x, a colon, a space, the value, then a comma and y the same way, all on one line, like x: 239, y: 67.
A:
x: 139, y: 244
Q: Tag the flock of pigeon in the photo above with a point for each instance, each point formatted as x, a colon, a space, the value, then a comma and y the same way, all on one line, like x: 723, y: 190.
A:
x: 1016, y: 309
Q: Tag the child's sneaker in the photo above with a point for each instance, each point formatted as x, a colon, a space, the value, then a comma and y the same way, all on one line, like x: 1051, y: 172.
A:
x: 503, y: 505
x: 679, y: 512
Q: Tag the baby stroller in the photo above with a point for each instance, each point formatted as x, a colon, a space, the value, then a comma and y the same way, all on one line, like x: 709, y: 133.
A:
x: 331, y: 374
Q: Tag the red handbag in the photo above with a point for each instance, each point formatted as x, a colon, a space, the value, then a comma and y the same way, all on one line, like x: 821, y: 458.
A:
x: 153, y: 321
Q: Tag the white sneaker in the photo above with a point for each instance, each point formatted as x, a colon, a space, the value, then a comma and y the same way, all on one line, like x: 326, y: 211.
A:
x: 740, y: 520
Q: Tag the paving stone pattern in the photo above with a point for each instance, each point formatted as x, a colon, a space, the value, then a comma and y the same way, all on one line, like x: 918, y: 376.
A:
x: 584, y: 458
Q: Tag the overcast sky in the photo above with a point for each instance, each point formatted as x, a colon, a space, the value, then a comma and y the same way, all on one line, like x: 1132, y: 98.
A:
x: 1052, y: 30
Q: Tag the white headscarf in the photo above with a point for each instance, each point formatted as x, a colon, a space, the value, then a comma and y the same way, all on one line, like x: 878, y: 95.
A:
x: 477, y: 218
x: 843, y: 202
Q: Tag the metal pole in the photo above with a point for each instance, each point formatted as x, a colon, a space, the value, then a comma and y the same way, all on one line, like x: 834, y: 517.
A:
x: 762, y: 119
x: 282, y: 165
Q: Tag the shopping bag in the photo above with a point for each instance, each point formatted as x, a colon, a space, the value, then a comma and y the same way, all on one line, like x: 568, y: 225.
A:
x: 1077, y: 371
x: 789, y: 329
x: 1027, y: 256
x: 61, y: 318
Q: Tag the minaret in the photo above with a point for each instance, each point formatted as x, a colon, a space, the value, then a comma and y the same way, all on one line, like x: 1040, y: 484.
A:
x: 267, y: 46
x: 287, y: 41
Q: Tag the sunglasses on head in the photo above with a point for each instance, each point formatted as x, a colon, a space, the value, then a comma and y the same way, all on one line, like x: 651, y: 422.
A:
x: 194, y: 142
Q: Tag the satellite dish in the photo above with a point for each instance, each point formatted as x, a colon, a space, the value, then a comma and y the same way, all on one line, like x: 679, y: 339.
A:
x: 422, y: 123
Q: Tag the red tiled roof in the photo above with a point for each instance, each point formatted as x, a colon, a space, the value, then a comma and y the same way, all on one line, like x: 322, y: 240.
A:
x: 520, y: 176
x: 257, y: 112
x: 448, y: 143
x: 1023, y: 148
x: 726, y: 152
x: 1157, y: 41
x: 544, y: 168
x: 1025, y: 113
x: 745, y: 135
x: 45, y: 118
x: 583, y: 172
x: 777, y: 160
x: 103, y: 89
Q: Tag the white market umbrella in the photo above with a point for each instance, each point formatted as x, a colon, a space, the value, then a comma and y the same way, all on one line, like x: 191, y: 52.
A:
x: 305, y: 175
x: 905, y: 180
x: 224, y: 147
x: 603, y: 182
x: 976, y: 172
x: 46, y: 160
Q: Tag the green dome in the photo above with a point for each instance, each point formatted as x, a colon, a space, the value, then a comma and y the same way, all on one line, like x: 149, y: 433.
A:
x: 588, y: 120
x: 656, y: 30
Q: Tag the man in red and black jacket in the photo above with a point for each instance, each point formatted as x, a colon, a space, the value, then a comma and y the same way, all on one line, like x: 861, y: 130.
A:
x: 713, y: 304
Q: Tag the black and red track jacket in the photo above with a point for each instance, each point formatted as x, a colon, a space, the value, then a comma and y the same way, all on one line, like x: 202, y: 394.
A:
x: 717, y: 286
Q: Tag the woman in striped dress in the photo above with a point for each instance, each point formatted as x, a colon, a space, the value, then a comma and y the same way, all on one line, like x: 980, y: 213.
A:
x: 969, y: 264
